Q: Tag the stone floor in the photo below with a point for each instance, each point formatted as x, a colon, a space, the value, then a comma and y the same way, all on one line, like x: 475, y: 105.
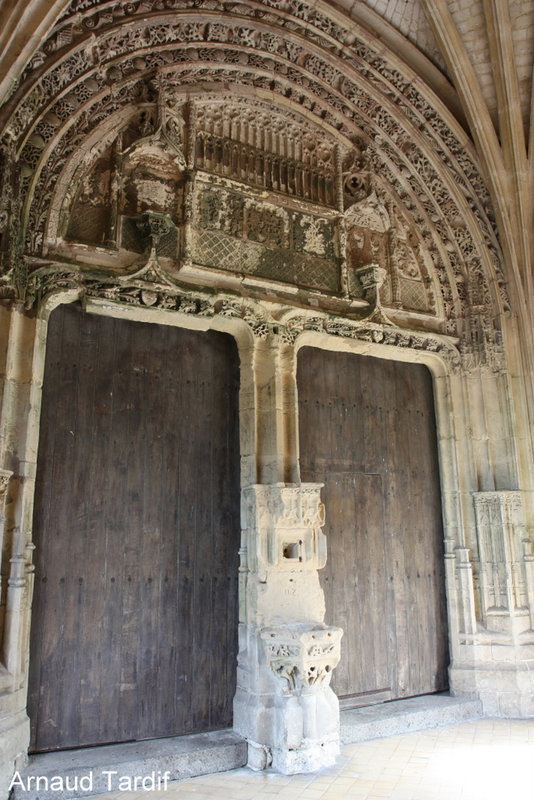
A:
x: 482, y: 760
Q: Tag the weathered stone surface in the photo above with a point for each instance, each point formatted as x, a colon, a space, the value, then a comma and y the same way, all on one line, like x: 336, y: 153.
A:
x: 99, y: 769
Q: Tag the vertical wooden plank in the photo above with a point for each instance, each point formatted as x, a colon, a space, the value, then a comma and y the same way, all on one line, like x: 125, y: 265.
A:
x: 49, y: 588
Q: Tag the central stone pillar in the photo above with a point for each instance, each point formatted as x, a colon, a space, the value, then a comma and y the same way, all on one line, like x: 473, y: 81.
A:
x: 284, y: 705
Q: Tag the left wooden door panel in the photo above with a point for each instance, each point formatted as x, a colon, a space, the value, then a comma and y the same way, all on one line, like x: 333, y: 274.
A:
x: 136, y: 526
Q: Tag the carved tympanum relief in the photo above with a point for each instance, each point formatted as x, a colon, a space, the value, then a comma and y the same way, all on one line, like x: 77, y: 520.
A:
x: 206, y: 184
x: 310, y: 94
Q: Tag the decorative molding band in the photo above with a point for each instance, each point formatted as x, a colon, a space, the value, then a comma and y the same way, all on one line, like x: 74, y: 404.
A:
x: 264, y: 319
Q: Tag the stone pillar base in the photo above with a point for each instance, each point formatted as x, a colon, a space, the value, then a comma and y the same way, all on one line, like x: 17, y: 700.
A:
x: 291, y: 731
x: 308, y: 758
x: 14, y: 738
x: 284, y: 706
x: 505, y: 690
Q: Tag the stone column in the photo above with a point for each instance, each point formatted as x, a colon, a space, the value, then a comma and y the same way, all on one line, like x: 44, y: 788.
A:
x: 284, y: 705
x: 20, y: 398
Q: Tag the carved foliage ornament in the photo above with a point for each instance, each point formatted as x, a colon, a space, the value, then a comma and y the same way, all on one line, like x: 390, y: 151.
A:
x: 304, y: 658
x: 44, y: 204
x: 381, y: 75
x: 355, y: 100
x: 46, y: 281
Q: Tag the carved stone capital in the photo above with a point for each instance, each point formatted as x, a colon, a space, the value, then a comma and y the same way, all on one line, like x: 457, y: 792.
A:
x: 302, y: 656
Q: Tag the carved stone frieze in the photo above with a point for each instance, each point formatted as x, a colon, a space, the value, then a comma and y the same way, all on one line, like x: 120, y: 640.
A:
x: 158, y: 290
x: 302, y: 657
x: 149, y: 295
x: 505, y: 565
x: 246, y: 235
x: 374, y: 333
x: 46, y: 281
x: 289, y: 521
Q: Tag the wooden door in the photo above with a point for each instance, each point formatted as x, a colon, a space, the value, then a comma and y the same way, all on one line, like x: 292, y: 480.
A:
x: 367, y: 430
x: 136, y: 525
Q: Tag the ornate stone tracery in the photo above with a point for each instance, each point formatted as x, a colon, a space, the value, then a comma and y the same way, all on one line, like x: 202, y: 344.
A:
x: 361, y: 102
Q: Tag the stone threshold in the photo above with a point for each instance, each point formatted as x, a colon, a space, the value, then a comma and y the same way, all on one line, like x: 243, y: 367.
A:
x: 405, y: 716
x: 96, y: 770
x: 84, y: 771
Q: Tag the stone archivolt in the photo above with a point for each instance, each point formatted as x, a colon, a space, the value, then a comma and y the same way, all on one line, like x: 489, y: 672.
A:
x: 332, y: 97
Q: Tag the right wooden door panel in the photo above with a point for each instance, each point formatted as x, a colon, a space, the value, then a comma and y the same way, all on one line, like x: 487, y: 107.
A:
x: 367, y: 430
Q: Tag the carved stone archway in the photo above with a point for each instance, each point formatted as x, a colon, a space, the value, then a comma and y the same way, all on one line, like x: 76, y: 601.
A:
x: 276, y: 171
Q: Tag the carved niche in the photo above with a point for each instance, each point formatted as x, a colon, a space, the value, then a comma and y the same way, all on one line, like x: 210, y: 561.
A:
x: 142, y: 171
x: 289, y: 520
x: 377, y: 233
x: 506, y: 561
